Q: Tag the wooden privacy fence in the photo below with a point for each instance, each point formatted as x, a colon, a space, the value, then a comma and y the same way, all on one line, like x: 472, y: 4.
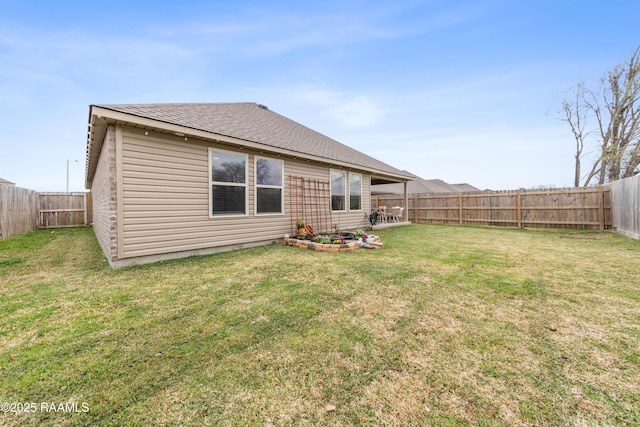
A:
x: 18, y: 210
x: 57, y: 210
x: 574, y: 208
x: 625, y: 206
x: 23, y: 210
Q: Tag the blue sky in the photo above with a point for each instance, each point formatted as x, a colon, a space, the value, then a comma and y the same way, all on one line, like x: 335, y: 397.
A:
x: 464, y: 91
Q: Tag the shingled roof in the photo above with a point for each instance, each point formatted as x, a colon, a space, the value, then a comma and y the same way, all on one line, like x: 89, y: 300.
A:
x: 5, y: 182
x: 248, y: 121
x: 465, y: 187
x: 422, y: 186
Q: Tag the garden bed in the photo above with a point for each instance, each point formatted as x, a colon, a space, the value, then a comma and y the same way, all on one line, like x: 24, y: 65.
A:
x: 343, y: 242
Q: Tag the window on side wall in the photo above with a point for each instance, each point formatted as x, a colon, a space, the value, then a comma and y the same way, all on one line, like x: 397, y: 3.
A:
x: 355, y: 191
x: 269, y: 179
x: 228, y: 183
x: 338, y: 190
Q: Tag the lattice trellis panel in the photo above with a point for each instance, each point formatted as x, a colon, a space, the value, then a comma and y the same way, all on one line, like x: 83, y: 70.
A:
x: 310, y: 199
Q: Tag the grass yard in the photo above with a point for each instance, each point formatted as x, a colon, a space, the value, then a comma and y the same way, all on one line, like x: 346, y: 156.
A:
x: 444, y: 326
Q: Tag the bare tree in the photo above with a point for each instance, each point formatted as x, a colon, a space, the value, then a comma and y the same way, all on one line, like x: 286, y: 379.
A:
x: 615, y: 109
x: 575, y: 113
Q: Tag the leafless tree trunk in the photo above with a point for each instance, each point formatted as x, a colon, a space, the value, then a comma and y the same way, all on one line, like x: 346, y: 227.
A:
x: 615, y: 108
x: 575, y: 114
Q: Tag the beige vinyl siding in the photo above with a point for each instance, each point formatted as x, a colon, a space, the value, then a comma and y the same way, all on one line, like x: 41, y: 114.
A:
x: 103, y: 192
x: 166, y: 197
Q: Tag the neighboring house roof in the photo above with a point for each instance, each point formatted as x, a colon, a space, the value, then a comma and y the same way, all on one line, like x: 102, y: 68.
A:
x: 242, y: 123
x: 420, y: 186
x: 5, y: 182
x: 437, y: 186
x: 464, y: 187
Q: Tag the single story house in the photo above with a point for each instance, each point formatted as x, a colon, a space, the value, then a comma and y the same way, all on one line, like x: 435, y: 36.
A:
x: 176, y: 180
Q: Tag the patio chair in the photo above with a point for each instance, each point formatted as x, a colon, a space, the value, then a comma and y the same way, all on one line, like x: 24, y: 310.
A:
x: 393, y: 214
x: 396, y: 213
x: 382, y: 214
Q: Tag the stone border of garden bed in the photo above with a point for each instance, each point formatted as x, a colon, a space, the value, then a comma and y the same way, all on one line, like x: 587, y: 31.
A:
x: 321, y: 247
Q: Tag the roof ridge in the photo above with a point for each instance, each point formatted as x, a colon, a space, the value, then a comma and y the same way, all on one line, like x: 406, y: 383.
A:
x: 177, y: 103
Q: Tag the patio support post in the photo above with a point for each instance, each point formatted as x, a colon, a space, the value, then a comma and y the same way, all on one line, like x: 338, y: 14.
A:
x: 406, y: 201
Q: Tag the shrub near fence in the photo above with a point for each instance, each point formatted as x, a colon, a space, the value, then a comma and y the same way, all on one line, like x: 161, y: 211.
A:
x: 573, y: 208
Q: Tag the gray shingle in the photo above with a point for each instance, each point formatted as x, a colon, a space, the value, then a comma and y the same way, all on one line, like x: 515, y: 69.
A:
x: 251, y: 122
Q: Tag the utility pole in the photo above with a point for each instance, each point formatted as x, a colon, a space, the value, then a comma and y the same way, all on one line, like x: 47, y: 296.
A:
x: 69, y: 161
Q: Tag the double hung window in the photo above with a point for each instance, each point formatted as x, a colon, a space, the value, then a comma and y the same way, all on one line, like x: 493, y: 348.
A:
x: 355, y: 191
x: 228, y: 183
x: 269, y: 178
x: 338, y: 190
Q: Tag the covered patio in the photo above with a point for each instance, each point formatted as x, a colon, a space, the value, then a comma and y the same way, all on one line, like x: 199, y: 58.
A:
x: 390, y: 216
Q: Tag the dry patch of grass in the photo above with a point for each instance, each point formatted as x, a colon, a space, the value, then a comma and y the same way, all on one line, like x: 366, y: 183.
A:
x: 443, y: 326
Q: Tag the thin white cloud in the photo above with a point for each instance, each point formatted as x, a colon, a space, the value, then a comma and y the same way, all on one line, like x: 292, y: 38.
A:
x: 268, y: 31
x: 348, y: 110
x: 482, y: 156
x: 274, y: 34
x: 33, y: 49
x: 36, y: 62
x: 358, y: 111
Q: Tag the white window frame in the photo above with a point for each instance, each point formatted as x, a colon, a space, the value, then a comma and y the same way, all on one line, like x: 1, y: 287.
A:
x: 256, y: 186
x: 361, y: 178
x: 211, y: 150
x: 344, y: 189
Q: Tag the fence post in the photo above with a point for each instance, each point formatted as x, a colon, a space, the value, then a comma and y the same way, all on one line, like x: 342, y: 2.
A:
x: 601, y: 207
x: 460, y: 208
x: 39, y: 212
x: 519, y: 208
x: 85, y: 209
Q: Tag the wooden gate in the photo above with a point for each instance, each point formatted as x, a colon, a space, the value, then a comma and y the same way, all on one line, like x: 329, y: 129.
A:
x: 58, y: 210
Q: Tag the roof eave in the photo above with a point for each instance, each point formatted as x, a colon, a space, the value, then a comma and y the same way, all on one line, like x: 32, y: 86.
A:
x: 96, y: 129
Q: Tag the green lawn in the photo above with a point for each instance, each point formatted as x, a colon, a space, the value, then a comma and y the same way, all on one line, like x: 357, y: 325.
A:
x: 442, y: 326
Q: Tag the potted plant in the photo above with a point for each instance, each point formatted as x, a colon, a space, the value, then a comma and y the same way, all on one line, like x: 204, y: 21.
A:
x: 301, y: 225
